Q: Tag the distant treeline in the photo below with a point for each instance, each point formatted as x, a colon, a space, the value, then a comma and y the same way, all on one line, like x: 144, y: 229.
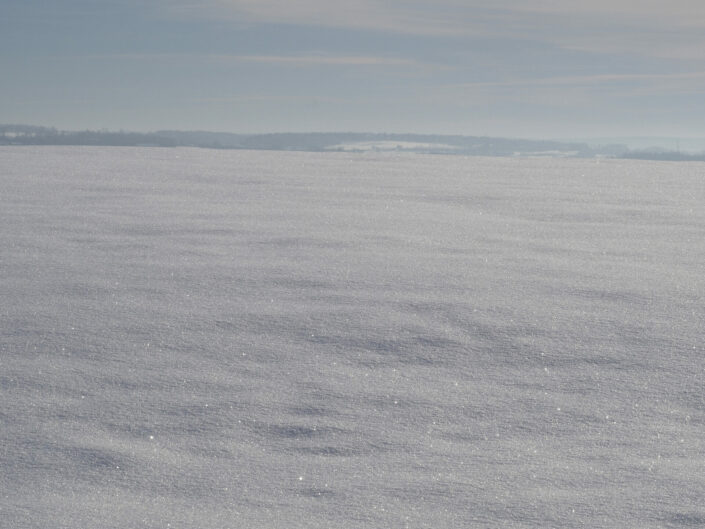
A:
x: 666, y: 156
x: 32, y: 135
x: 429, y: 143
x: 321, y: 141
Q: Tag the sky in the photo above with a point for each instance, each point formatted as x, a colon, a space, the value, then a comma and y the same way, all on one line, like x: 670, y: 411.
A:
x: 518, y: 68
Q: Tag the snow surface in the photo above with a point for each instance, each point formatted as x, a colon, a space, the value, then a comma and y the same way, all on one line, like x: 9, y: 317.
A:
x: 224, y: 339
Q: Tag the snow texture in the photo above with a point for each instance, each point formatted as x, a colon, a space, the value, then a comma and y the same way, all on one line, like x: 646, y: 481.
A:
x: 235, y: 339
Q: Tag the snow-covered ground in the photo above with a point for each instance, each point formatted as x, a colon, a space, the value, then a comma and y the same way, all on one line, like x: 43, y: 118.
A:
x: 232, y: 339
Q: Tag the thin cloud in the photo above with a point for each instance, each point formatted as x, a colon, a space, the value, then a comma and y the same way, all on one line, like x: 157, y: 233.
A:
x: 445, y: 15
x: 314, y: 60
x: 584, y: 90
x: 582, y: 80
x: 261, y: 98
x: 291, y: 60
x: 646, y: 27
x: 683, y: 13
x: 419, y: 18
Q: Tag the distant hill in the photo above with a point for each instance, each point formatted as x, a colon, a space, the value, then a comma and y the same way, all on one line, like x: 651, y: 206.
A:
x: 212, y: 140
x: 33, y: 135
x: 358, y: 142
x: 315, y: 141
x: 666, y: 156
x: 690, y: 145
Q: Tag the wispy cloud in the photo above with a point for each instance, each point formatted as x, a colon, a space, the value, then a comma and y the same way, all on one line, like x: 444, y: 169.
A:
x: 648, y: 27
x: 290, y: 60
x: 684, y: 13
x: 599, y: 79
x: 589, y: 91
x: 315, y: 60
x: 427, y: 16
x: 411, y: 17
x: 262, y: 98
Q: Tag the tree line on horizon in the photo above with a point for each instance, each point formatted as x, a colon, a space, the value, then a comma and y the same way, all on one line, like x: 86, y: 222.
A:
x: 18, y: 134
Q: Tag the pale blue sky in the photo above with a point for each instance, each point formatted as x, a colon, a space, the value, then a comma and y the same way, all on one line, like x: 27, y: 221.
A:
x: 543, y: 68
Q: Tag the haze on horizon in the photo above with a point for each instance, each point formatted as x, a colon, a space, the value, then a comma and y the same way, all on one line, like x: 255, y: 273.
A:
x: 543, y: 68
